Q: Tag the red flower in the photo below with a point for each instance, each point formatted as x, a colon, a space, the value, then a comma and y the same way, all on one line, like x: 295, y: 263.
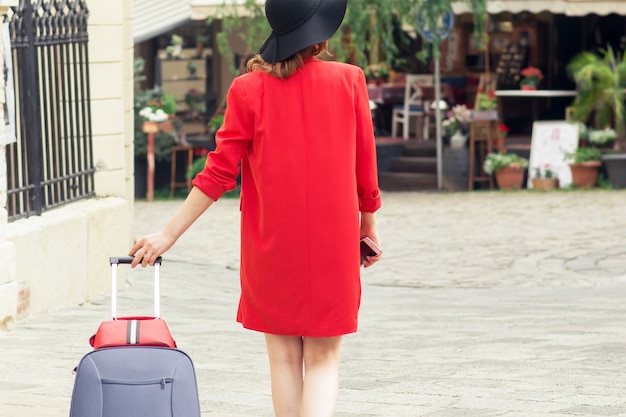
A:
x: 503, y: 130
x: 532, y: 72
x: 200, y: 151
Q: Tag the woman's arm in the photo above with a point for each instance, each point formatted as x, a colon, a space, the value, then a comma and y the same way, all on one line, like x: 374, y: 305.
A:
x: 149, y: 248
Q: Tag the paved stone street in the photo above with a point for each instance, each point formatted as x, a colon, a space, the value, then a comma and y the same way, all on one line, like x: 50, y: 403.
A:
x: 485, y: 304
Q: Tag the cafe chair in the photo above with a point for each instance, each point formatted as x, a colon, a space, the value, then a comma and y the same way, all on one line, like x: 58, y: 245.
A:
x: 373, y: 107
x: 445, y: 103
x: 413, y: 105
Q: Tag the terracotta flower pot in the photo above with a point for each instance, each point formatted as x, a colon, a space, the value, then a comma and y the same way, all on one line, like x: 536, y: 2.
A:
x: 510, y: 177
x: 528, y: 87
x: 545, y: 183
x: 585, y: 174
x: 498, y: 142
x: 155, y: 127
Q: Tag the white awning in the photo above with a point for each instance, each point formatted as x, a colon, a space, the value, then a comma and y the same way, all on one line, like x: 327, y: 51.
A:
x: 566, y: 7
x: 201, y: 9
x: 155, y: 17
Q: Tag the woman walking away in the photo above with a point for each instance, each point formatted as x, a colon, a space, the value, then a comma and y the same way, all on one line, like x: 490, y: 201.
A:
x: 301, y: 130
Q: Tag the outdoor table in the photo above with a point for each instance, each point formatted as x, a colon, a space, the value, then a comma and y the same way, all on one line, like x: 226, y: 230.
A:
x: 534, y: 95
x: 385, y: 96
x: 386, y: 93
x: 394, y: 93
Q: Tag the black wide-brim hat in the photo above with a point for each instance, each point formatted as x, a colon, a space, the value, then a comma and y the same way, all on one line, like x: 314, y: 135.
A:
x: 297, y: 24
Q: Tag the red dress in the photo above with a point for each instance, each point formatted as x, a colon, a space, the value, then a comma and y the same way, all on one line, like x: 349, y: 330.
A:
x: 308, y: 166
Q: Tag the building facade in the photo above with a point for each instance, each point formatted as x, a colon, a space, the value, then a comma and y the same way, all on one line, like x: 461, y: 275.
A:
x: 61, y: 257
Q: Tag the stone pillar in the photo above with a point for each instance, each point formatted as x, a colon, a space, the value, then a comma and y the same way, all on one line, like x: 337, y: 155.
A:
x: 111, y: 59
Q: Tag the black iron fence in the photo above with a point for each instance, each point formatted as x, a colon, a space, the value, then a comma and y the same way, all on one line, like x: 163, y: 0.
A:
x: 51, y: 162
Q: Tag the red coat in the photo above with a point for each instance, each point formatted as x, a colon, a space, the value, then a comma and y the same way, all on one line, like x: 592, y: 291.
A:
x: 308, y: 166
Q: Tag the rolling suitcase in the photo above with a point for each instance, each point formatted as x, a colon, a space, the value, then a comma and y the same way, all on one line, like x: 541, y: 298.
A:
x: 134, y: 380
x: 137, y: 330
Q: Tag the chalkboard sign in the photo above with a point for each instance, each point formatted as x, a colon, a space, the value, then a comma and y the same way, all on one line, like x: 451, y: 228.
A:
x: 511, y: 62
x: 551, y: 142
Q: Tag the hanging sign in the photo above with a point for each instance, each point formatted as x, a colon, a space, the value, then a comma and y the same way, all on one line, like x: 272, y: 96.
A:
x: 443, y: 26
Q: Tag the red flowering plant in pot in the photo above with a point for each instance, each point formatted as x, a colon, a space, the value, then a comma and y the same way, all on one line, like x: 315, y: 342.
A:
x: 486, y: 105
x: 531, y: 77
x: 503, y: 131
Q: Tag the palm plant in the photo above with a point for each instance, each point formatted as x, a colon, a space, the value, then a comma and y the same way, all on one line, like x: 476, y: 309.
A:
x: 601, y: 80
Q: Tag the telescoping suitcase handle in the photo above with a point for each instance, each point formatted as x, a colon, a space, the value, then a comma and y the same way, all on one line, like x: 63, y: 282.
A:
x: 115, y: 261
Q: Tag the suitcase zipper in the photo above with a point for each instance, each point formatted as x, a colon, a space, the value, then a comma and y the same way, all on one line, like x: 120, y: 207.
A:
x: 161, y: 382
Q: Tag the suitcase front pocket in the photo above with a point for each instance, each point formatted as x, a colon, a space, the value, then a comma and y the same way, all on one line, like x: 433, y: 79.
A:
x: 123, y: 398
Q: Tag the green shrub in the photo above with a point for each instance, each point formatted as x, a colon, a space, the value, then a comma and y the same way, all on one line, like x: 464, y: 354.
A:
x: 496, y: 161
x: 584, y: 154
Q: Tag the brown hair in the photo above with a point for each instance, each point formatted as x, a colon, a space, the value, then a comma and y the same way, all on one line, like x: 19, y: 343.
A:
x: 283, y: 69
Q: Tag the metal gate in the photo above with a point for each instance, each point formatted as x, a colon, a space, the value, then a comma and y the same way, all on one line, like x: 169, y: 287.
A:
x: 51, y: 162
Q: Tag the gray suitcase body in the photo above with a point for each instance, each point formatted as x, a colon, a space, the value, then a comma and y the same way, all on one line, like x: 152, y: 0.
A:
x: 135, y: 381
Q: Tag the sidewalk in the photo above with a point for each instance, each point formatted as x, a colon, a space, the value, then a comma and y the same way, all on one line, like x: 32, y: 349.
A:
x: 485, y: 304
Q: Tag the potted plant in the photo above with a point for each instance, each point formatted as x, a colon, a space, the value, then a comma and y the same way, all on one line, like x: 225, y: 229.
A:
x: 601, y: 80
x: 503, y: 131
x: 509, y: 169
x: 191, y: 69
x: 377, y: 73
x: 456, y: 125
x: 201, y: 41
x: 175, y: 48
x: 531, y: 77
x: 150, y: 106
x: 194, y: 99
x: 604, y: 139
x: 545, y: 178
x: 486, y: 106
x: 585, y: 164
x: 158, y: 112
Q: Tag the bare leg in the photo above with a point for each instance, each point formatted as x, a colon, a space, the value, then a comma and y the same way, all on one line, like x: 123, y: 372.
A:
x: 286, y: 359
x: 312, y: 393
x: 321, y: 379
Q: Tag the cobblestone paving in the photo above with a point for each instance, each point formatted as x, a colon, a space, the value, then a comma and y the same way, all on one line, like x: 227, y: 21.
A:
x: 485, y: 240
x: 485, y: 304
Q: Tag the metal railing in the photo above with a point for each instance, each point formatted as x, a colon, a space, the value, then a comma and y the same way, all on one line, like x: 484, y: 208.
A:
x: 51, y: 163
